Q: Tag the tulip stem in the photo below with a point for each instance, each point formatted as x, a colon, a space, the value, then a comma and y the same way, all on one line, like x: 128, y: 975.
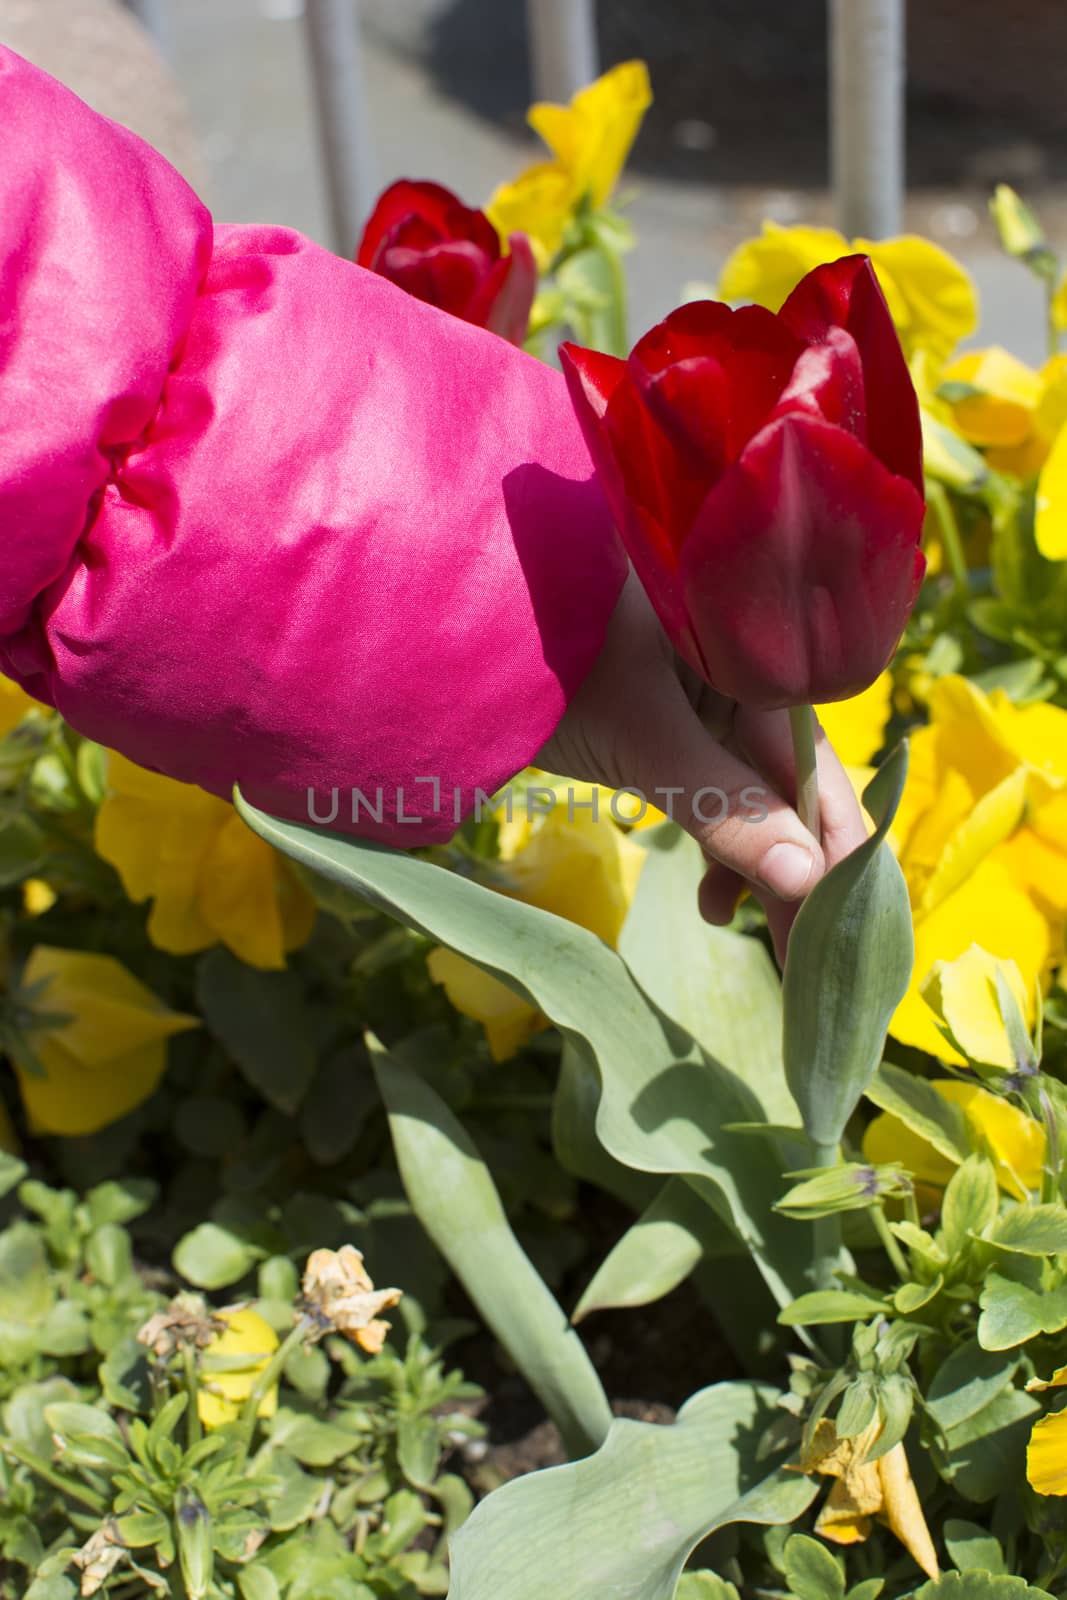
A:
x: 802, y: 725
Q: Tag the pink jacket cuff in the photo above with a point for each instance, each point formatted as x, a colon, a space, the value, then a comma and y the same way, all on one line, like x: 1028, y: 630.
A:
x: 266, y: 519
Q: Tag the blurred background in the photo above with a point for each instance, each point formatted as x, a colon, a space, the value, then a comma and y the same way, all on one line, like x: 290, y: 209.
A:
x: 738, y: 131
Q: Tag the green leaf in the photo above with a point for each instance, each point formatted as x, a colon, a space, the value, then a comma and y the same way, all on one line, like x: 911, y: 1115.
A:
x: 293, y: 1503
x: 831, y: 1305
x: 967, y: 1381
x: 455, y: 1199
x: 262, y: 1019
x: 948, y: 458
x: 403, y: 1519
x: 1012, y: 1313
x: 988, y: 1450
x: 656, y: 1254
x: 849, y: 963
x: 811, y: 1570
x: 418, y: 1449
x: 592, y: 282
x: 918, y: 1105
x: 212, y: 1258
x: 258, y: 1583
x: 309, y: 1441
x: 978, y: 1586
x: 704, y: 1586
x: 664, y: 1106
x: 623, y: 1522
x: 970, y: 1203
x: 1032, y: 1230
x: 121, y: 1201
x: 12, y: 1172
x: 721, y: 987
x: 972, y: 1547
x: 51, y: 1588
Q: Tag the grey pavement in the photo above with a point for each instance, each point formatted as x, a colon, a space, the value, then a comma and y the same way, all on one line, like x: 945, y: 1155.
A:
x: 242, y: 71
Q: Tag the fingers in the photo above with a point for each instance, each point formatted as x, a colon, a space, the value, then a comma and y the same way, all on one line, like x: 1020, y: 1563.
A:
x: 736, y: 817
x: 764, y: 737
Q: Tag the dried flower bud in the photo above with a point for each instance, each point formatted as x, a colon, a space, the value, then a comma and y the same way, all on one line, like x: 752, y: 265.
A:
x: 186, y: 1321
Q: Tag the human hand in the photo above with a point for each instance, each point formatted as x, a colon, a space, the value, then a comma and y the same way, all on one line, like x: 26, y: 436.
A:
x: 644, y: 720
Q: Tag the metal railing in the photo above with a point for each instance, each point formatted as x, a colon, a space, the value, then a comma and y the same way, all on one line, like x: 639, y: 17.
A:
x: 866, y: 99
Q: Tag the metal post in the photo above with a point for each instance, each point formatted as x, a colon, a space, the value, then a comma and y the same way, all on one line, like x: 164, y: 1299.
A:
x: 867, y: 114
x: 333, y: 36
x: 152, y: 15
x: 563, y: 47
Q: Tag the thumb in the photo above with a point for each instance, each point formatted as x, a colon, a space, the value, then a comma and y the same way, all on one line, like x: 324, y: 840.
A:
x: 729, y: 808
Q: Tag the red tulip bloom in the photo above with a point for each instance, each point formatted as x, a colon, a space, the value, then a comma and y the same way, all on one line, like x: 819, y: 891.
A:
x: 765, y: 472
x: 423, y: 238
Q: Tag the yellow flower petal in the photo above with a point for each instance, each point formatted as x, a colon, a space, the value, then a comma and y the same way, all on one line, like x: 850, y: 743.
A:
x: 1050, y: 525
x: 988, y: 909
x: 856, y: 727
x: 888, y: 1139
x: 963, y: 994
x: 766, y: 270
x: 1046, y: 1455
x: 591, y: 138
x: 222, y: 1394
x: 1003, y: 412
x: 210, y: 879
x: 110, y: 1052
x: 14, y: 704
x: 507, y: 1019
x: 538, y: 203
x: 902, y: 1509
x: 932, y: 298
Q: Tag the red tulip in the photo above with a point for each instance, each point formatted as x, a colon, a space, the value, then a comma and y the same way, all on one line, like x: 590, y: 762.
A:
x: 765, y: 472
x: 423, y: 238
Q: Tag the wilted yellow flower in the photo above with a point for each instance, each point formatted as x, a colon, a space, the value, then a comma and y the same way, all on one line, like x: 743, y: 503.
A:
x: 982, y: 838
x: 1013, y: 1141
x: 856, y: 727
x: 570, y: 862
x: 864, y: 1489
x: 231, y: 1366
x: 14, y: 704
x: 99, y: 1558
x: 339, y: 1293
x: 1014, y: 413
x: 1046, y: 1454
x: 931, y: 298
x: 590, y: 140
x: 185, y: 1321
x: 210, y: 878
x: 963, y: 994
x: 108, y: 1053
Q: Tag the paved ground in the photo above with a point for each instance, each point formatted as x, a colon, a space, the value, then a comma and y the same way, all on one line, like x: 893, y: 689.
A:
x: 444, y: 92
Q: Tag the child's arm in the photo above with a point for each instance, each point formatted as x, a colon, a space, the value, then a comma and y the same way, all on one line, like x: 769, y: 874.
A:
x: 264, y: 518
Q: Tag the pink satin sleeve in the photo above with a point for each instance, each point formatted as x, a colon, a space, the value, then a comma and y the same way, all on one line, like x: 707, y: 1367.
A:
x: 264, y: 518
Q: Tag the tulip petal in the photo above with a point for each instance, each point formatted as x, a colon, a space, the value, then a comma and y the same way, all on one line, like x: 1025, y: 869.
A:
x: 802, y: 567
x: 402, y: 200
x: 846, y: 294
x: 507, y: 295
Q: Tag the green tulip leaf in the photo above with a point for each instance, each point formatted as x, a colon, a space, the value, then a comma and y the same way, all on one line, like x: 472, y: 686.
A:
x: 623, y: 1521
x: 849, y: 962
x: 664, y: 1106
x: 658, y: 1253
x: 455, y: 1199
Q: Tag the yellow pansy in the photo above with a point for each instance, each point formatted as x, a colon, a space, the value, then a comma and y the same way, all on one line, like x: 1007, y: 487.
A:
x: 931, y: 298
x: 856, y: 727
x: 964, y: 995
x: 576, y: 864
x: 1014, y: 413
x: 14, y: 704
x: 211, y: 880
x: 1050, y: 523
x: 1013, y: 1141
x: 590, y: 140
x: 226, y: 1382
x: 863, y: 1489
x: 107, y: 1050
x: 981, y: 835
x: 1046, y: 1454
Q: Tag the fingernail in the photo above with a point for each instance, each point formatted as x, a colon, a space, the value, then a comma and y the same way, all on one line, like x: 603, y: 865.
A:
x: 787, y: 870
